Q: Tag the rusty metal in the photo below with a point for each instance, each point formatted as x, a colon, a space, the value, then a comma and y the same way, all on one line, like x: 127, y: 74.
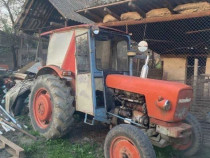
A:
x: 181, y: 131
x: 197, y: 31
x: 163, y: 123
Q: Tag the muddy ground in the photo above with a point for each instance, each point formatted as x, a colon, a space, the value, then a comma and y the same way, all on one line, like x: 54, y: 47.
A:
x: 83, y: 141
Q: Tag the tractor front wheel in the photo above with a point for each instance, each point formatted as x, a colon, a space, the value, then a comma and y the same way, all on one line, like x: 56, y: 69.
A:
x: 51, y: 106
x: 196, y: 139
x: 127, y: 141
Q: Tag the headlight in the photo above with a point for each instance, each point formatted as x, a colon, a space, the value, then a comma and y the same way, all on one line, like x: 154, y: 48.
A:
x: 164, y: 104
x: 96, y: 30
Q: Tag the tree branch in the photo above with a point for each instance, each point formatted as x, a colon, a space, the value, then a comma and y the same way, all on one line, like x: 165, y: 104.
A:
x: 6, y: 4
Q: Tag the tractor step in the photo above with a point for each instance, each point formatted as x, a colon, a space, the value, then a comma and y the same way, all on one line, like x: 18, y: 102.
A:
x: 88, y: 121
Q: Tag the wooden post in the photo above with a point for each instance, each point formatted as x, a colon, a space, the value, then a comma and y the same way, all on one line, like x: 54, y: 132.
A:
x: 108, y: 11
x: 66, y: 23
x: 134, y: 7
x: 38, y: 46
x: 195, y: 76
x: 94, y: 16
x: 153, y: 60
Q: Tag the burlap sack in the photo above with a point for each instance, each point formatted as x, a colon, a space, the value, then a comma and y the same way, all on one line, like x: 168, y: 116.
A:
x: 130, y: 16
x: 158, y: 13
x: 109, y: 18
x: 192, y: 7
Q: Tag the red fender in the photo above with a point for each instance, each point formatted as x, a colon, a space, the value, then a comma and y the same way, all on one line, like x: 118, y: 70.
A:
x: 55, y: 70
x: 51, y: 69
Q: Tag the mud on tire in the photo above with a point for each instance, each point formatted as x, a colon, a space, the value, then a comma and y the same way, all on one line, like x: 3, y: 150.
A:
x: 62, y: 106
x: 135, y: 137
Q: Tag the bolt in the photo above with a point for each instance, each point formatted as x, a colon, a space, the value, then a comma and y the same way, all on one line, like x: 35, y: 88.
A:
x: 125, y: 155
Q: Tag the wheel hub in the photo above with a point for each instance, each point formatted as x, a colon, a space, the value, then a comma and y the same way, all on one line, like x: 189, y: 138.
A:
x: 122, y: 147
x: 42, y: 108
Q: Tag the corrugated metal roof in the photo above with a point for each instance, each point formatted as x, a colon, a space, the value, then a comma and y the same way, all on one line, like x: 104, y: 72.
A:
x: 67, y: 8
x: 37, y: 14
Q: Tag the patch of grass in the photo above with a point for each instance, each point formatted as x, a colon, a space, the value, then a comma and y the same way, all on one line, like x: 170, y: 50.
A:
x: 34, y: 133
x: 30, y: 149
x: 167, y: 152
x: 61, y: 148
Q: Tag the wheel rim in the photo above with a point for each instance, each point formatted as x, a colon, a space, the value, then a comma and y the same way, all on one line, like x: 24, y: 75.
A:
x: 122, y: 147
x: 42, y: 108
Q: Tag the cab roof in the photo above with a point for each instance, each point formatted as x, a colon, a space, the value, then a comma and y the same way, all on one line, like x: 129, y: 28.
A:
x: 80, y: 26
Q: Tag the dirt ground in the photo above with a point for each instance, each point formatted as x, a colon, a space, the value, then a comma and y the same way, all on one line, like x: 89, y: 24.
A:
x: 84, y: 141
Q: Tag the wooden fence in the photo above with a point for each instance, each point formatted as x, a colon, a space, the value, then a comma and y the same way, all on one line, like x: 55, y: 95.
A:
x: 21, y: 48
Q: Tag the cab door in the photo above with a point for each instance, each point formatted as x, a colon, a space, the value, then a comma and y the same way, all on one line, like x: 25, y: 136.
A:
x: 84, y: 84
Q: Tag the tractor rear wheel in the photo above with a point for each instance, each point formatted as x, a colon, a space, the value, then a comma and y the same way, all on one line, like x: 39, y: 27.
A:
x: 51, y: 106
x: 127, y: 141
x: 196, y: 139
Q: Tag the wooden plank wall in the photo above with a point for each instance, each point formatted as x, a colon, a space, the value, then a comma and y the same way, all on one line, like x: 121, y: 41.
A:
x: 25, y: 45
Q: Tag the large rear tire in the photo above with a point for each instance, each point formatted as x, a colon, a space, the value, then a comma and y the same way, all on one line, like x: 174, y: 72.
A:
x: 51, y: 106
x: 127, y: 141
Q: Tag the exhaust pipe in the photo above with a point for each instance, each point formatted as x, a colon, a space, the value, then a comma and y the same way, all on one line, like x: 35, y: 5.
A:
x: 145, y: 68
x: 143, y: 48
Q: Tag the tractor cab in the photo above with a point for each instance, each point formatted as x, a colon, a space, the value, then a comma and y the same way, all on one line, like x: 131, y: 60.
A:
x: 90, y: 53
x: 105, y: 53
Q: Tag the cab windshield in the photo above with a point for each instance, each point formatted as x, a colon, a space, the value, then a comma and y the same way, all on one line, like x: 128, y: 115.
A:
x: 111, y: 52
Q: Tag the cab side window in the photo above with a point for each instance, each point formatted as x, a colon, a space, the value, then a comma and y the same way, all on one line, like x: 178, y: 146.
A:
x: 82, y: 54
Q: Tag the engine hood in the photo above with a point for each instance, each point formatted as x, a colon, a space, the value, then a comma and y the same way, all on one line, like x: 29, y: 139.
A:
x: 179, y: 95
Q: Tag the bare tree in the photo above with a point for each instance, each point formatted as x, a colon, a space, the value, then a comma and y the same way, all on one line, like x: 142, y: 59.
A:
x: 9, y: 9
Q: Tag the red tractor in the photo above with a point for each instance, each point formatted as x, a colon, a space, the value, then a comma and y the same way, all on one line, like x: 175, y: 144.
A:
x: 89, y: 69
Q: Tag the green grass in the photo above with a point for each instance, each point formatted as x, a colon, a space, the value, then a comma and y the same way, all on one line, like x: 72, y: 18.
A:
x: 167, y: 152
x: 61, y: 148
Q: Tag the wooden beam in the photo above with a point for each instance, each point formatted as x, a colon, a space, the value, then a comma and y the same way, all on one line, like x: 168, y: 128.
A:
x: 102, y: 6
x: 21, y: 19
x: 94, y: 16
x: 134, y: 7
x: 56, y: 24
x: 47, y: 16
x: 197, y: 31
x: 108, y: 11
x: 157, y: 19
x: 170, y: 7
